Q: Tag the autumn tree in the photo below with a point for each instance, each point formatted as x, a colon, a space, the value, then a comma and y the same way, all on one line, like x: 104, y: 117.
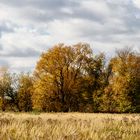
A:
x: 123, y: 92
x: 60, y: 73
x: 25, y: 92
x: 66, y: 77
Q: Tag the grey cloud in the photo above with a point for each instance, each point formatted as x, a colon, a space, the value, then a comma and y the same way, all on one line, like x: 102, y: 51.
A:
x: 128, y: 13
x: 5, y: 28
x: 41, y: 4
x: 120, y: 25
x: 1, y: 48
x: 21, y: 52
x: 46, y: 15
x: 129, y: 26
x: 50, y: 10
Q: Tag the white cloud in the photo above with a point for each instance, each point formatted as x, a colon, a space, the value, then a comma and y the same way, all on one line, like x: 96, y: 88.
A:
x: 137, y: 3
x: 31, y: 26
x: 96, y: 7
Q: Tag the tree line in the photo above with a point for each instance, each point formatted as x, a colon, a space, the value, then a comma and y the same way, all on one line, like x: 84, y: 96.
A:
x: 73, y: 78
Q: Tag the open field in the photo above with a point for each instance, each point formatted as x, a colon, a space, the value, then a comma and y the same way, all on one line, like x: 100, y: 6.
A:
x: 69, y: 126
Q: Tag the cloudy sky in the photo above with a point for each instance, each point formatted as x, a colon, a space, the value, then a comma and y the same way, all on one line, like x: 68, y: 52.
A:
x: 28, y: 27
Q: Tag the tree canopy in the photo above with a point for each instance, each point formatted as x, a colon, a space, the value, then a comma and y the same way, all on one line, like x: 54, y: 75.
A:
x: 74, y: 78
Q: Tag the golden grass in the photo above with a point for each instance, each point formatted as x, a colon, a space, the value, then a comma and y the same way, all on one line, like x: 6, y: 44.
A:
x: 69, y: 126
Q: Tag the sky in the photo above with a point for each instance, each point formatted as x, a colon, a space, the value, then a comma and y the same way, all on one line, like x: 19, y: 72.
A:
x: 30, y: 27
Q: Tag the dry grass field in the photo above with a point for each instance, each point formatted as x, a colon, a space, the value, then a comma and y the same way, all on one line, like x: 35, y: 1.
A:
x: 69, y: 126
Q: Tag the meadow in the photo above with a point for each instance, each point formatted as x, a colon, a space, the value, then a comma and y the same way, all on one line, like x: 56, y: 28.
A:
x: 69, y: 126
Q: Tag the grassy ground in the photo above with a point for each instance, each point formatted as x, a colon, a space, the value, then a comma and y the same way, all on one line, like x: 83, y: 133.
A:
x: 69, y: 126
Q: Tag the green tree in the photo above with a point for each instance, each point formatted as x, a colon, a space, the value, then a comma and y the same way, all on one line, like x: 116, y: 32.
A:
x: 94, y: 82
x: 8, y: 91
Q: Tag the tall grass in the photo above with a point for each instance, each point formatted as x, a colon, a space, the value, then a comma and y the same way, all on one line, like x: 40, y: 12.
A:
x: 69, y: 126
